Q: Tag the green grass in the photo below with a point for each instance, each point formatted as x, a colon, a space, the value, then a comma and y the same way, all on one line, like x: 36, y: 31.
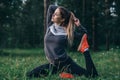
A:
x: 14, y: 63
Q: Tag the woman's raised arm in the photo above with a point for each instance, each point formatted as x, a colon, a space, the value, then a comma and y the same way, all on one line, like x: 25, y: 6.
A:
x: 50, y: 11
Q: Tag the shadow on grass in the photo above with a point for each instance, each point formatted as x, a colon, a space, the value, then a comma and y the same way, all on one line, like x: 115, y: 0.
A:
x: 13, y: 54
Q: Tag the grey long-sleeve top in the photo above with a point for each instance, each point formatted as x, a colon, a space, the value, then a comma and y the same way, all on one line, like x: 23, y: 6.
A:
x: 55, y: 40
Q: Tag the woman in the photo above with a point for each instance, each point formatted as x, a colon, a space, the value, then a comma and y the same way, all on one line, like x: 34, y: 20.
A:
x: 60, y: 27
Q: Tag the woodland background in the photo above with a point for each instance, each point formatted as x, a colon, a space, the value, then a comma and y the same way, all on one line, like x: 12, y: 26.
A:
x: 22, y: 22
x: 22, y: 29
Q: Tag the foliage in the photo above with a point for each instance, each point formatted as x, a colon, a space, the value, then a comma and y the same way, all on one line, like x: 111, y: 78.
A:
x: 9, y: 14
x: 21, y: 24
x: 32, y: 22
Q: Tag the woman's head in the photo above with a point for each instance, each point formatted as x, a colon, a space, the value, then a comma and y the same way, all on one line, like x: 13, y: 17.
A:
x: 65, y: 18
x: 61, y: 16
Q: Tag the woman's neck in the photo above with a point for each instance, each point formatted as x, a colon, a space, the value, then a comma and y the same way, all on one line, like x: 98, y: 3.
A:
x: 56, y: 24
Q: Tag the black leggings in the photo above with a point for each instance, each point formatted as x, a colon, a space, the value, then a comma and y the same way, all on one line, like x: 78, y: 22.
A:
x: 68, y: 66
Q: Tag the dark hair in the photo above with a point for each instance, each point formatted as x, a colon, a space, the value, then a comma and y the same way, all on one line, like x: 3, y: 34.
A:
x: 68, y: 23
x: 64, y: 14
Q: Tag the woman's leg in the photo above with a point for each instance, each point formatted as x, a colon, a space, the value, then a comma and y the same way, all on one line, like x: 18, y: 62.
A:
x: 74, y: 68
x: 43, y: 70
x: 39, y: 71
x: 91, y: 70
x: 84, y: 48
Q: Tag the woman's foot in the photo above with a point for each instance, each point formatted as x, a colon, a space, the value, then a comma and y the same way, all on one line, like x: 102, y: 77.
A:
x: 83, y: 46
x: 66, y: 75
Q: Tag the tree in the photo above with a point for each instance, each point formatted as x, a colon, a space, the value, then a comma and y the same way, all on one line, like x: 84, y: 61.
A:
x: 9, y: 14
x: 107, y: 22
x: 46, y: 4
x: 32, y: 24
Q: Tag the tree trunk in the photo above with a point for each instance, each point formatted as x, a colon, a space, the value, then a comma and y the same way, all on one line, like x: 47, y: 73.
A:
x: 83, y: 11
x: 93, y: 33
x: 46, y: 4
x: 106, y: 24
x: 94, y: 40
x: 107, y: 40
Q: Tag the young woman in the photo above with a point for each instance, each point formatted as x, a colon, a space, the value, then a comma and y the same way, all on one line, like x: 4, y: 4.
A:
x: 60, y: 32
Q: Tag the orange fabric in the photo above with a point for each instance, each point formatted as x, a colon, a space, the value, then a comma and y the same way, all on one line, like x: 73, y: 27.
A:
x: 83, y: 44
x: 66, y: 75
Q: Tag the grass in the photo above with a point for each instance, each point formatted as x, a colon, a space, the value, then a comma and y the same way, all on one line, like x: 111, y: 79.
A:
x: 14, y: 63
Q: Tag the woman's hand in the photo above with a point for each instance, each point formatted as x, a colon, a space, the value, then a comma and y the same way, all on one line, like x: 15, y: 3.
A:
x: 76, y: 21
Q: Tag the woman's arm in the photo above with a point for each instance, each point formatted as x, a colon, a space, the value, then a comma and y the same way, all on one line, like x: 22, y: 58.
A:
x: 50, y: 11
x: 78, y: 25
x: 80, y: 30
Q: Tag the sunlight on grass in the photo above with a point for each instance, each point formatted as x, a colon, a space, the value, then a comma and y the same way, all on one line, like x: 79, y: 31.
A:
x: 14, y: 63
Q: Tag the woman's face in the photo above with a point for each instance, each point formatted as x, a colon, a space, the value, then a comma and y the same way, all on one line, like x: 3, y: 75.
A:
x: 57, y: 17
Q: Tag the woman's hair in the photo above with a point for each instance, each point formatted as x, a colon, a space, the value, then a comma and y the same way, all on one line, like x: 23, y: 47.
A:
x: 68, y: 23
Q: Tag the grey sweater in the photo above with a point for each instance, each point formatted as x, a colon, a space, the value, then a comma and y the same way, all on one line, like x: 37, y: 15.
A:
x: 55, y: 40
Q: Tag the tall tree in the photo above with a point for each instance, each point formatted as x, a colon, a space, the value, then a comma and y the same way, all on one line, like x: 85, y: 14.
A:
x: 107, y: 18
x: 46, y: 4
x: 32, y: 21
x: 94, y: 26
x: 9, y: 14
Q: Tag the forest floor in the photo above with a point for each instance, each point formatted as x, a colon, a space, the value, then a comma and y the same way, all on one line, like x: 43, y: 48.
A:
x: 14, y: 63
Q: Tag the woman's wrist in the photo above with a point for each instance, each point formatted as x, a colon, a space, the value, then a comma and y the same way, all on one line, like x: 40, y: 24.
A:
x: 77, y: 22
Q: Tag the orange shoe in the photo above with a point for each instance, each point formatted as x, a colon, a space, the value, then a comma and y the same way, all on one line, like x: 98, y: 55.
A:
x: 66, y: 75
x: 83, y: 44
